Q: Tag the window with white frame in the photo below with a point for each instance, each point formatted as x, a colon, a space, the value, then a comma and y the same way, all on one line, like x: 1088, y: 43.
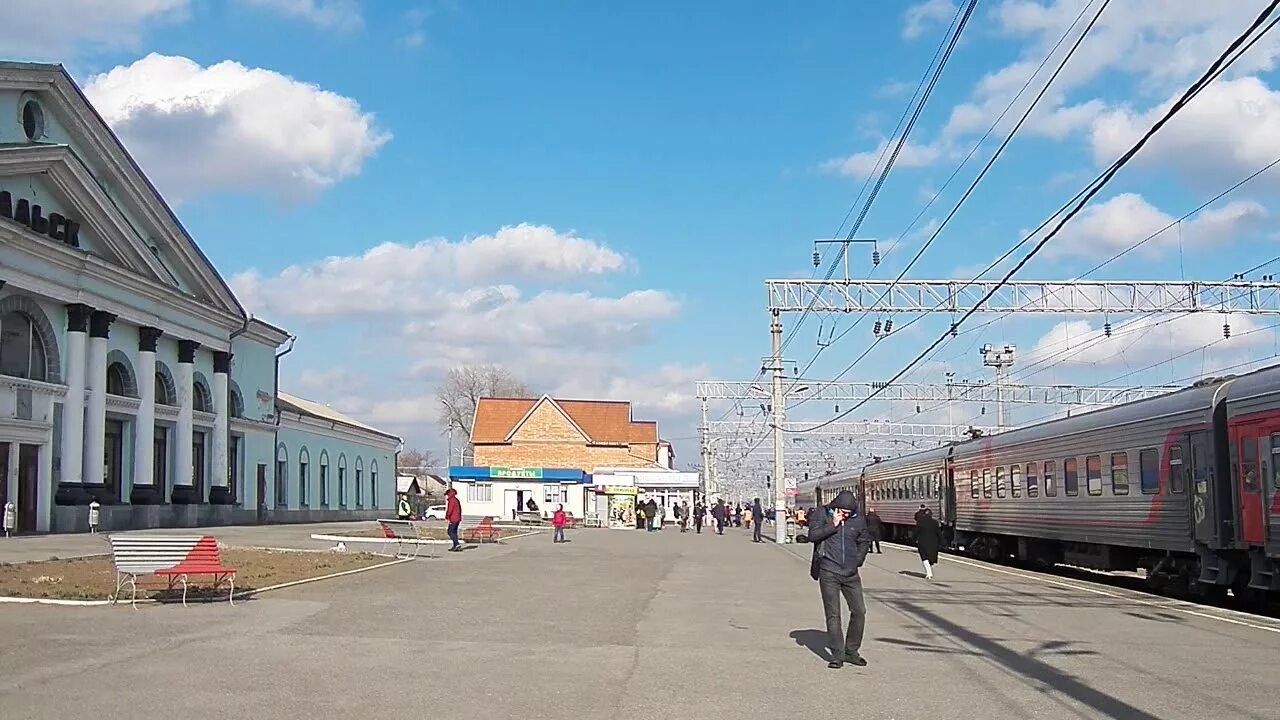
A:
x: 480, y: 492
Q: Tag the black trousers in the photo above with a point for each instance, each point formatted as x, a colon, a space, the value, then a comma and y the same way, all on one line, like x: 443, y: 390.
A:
x: 832, y: 587
x: 756, y: 527
x: 453, y: 533
x: 875, y: 543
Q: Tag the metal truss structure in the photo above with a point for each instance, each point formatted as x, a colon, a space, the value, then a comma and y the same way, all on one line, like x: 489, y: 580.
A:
x: 1025, y: 296
x: 859, y: 427
x: 802, y: 390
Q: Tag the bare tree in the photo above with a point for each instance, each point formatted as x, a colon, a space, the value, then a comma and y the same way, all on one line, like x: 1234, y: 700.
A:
x: 415, y: 462
x: 464, y: 386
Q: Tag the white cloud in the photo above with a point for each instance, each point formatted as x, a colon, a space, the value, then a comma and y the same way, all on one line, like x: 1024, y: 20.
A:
x: 57, y: 29
x: 1105, y: 229
x: 526, y: 297
x: 342, y: 15
x: 860, y: 165
x: 922, y: 16
x: 1228, y: 130
x: 433, y: 273
x: 229, y: 127
x: 1148, y: 339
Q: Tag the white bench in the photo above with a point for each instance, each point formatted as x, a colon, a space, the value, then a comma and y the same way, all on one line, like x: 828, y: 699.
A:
x: 402, y: 533
x: 172, y: 557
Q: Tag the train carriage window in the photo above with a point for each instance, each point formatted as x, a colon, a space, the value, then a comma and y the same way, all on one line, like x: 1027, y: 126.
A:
x: 1177, y: 480
x: 973, y: 483
x: 1050, y: 483
x: 1149, y: 470
x: 1015, y: 480
x: 1093, y: 474
x: 986, y: 482
x: 1033, y: 479
x: 1275, y: 462
x: 1120, y: 473
x: 1071, y: 476
x: 1249, y: 464
x: 1000, y: 482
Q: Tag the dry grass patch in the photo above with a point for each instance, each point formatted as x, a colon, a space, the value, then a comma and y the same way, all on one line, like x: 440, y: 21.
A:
x: 95, y: 578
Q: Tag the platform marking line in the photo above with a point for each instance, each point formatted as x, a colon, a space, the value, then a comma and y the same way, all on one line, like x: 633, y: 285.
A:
x: 1168, y: 604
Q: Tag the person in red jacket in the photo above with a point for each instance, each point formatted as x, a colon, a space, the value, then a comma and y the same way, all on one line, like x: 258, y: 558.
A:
x: 558, y: 520
x: 453, y: 516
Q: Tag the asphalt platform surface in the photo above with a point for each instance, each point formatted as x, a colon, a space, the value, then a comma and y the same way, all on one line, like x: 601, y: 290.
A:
x: 628, y: 624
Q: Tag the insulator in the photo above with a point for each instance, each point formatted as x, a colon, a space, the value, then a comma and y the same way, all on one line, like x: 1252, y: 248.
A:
x: 837, y: 408
x: 875, y: 257
x: 1226, y: 329
x: 817, y: 259
x: 876, y: 329
x: 888, y: 326
x: 984, y: 410
x: 1106, y: 328
x: 917, y: 408
x: 954, y: 329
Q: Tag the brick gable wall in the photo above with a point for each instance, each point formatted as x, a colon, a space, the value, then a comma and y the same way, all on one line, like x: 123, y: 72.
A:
x: 547, y: 424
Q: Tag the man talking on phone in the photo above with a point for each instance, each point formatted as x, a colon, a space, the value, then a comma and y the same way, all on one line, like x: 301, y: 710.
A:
x: 841, y: 544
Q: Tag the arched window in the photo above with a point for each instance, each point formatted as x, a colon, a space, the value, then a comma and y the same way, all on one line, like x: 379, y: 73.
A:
x: 342, y: 480
x: 120, y: 377
x: 304, y: 481
x: 373, y: 483
x: 235, y: 401
x: 282, y: 475
x: 324, y: 478
x: 201, y: 397
x: 359, y: 482
x: 22, y: 349
x: 166, y: 388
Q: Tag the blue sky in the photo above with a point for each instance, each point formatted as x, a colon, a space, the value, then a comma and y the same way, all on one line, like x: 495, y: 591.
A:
x: 652, y: 164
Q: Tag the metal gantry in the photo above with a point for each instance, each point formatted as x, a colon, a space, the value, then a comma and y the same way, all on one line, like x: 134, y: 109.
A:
x: 884, y: 428
x: 1023, y: 296
x: 806, y: 390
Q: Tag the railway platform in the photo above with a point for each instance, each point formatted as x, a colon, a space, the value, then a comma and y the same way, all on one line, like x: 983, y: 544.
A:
x: 627, y: 624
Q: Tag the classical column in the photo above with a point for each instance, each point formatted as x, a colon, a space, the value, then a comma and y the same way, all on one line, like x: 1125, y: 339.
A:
x: 219, y: 493
x: 183, y: 493
x: 71, y: 488
x: 144, y: 490
x: 95, y: 424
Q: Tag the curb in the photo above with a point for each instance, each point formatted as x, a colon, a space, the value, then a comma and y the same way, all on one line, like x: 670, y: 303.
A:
x: 236, y: 596
x: 364, y: 539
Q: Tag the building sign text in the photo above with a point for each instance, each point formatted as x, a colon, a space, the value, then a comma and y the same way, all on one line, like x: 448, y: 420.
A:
x: 26, y: 213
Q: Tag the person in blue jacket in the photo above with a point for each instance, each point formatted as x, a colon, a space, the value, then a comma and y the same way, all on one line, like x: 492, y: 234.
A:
x: 841, y: 541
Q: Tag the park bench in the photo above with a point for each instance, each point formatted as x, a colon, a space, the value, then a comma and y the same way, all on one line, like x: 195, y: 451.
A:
x: 172, y: 558
x: 402, y: 533
x: 530, y: 517
x: 481, y: 531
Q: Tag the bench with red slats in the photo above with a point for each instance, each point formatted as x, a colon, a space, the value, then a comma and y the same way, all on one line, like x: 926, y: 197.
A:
x: 403, y: 533
x: 484, y: 530
x: 174, y: 558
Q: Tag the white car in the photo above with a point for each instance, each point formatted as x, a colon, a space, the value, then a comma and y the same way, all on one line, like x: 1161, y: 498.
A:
x: 435, y: 512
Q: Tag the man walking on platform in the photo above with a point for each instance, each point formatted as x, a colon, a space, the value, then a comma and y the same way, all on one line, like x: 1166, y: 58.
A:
x: 453, y: 516
x: 699, y: 514
x: 875, y: 527
x: 840, y: 546
x: 757, y: 520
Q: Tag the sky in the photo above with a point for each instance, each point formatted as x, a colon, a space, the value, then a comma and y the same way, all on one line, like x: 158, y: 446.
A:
x: 592, y: 195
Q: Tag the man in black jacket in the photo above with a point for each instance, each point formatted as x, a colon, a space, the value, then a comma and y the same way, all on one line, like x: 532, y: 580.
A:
x: 842, y: 542
x: 757, y: 521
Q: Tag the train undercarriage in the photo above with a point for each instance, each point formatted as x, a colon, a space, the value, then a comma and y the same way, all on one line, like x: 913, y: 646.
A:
x: 1207, y: 575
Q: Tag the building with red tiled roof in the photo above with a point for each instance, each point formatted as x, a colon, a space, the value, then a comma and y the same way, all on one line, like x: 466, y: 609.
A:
x: 547, y: 432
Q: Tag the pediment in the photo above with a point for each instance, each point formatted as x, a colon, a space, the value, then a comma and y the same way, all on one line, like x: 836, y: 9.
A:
x: 49, y: 194
x: 80, y: 166
x: 556, y: 424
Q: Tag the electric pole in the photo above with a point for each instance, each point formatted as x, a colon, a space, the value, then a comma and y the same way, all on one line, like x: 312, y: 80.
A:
x: 1001, y: 360
x: 779, y: 415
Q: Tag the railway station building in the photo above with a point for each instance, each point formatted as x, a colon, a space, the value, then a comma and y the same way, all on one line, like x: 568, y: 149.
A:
x: 130, y: 375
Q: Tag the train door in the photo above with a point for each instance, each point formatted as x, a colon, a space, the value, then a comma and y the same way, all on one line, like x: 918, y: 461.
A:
x: 1250, y: 457
x: 1211, y: 510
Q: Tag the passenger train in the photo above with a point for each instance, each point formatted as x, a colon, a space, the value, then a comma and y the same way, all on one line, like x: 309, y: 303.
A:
x: 1185, y: 486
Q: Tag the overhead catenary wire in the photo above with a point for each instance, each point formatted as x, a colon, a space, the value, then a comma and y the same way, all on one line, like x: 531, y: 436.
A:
x: 964, y: 14
x: 1224, y: 60
x: 978, y: 179
x: 991, y: 161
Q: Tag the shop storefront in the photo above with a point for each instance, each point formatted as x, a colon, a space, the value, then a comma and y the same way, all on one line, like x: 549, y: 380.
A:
x: 667, y: 488
x: 504, y: 493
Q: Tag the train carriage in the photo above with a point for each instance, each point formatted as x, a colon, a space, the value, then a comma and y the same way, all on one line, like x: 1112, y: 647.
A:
x: 1253, y: 503
x: 897, y: 487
